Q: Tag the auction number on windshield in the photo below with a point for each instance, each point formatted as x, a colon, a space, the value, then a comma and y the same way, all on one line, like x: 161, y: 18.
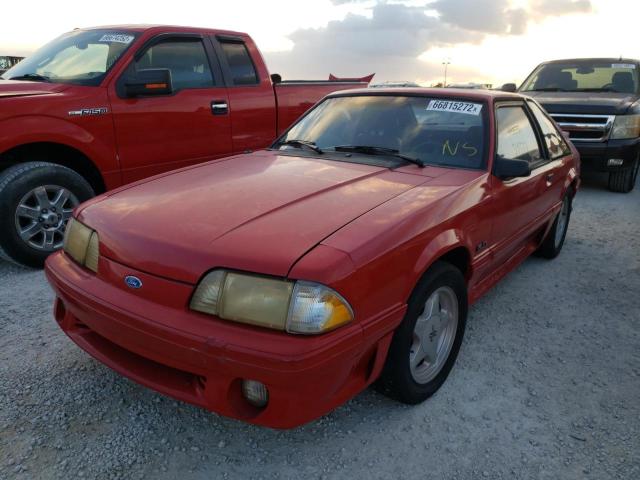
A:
x: 456, y: 107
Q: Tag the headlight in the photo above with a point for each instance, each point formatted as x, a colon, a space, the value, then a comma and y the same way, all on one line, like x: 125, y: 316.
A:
x: 297, y: 307
x: 82, y: 244
x: 626, y: 126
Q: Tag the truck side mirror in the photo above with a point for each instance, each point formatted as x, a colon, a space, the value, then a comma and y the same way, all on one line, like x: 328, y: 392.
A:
x: 505, y: 168
x: 509, y: 87
x: 152, y: 81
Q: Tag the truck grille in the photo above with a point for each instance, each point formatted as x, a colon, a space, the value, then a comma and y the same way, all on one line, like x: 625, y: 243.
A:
x: 585, y: 128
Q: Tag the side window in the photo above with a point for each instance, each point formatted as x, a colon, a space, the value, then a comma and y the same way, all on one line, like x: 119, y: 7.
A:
x: 187, y: 60
x: 516, y: 136
x: 243, y: 72
x: 555, y: 143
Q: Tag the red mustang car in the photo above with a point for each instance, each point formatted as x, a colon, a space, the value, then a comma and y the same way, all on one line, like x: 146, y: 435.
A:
x: 273, y: 286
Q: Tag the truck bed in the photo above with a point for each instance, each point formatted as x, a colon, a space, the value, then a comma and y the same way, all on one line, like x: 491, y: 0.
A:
x: 295, y: 97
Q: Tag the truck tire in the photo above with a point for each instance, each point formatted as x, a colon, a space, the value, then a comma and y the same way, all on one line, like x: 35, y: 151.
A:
x: 426, y: 344
x: 36, y: 201
x: 623, y: 181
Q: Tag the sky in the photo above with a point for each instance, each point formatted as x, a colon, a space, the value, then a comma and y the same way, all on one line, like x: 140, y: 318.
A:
x: 485, y: 41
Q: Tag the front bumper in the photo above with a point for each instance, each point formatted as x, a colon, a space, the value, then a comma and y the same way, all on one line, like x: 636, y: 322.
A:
x: 152, y: 338
x: 594, y: 156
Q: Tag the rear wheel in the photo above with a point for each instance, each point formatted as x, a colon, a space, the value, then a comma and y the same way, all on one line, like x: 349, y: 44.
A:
x: 554, y: 240
x: 426, y: 344
x: 36, y: 202
x: 623, y: 181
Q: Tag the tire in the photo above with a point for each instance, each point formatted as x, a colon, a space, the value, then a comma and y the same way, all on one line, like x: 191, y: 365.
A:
x: 414, y: 384
x: 36, y: 202
x: 623, y: 181
x: 554, y: 241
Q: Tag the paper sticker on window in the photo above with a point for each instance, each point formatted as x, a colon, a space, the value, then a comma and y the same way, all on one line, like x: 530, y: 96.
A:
x: 623, y: 65
x: 455, y: 107
x: 117, y: 38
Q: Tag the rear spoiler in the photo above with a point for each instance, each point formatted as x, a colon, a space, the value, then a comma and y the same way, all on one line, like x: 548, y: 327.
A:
x: 367, y: 79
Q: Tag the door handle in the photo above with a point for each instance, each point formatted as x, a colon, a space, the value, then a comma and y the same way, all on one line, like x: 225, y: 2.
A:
x: 550, y: 177
x: 219, y: 107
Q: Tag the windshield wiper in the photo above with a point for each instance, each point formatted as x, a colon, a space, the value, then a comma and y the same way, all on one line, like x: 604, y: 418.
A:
x: 602, y: 89
x: 34, y: 77
x: 372, y: 150
x: 303, y: 144
x: 547, y: 89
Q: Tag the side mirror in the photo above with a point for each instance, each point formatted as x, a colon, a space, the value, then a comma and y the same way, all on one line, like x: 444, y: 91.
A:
x: 505, y: 168
x: 509, y: 87
x: 152, y: 81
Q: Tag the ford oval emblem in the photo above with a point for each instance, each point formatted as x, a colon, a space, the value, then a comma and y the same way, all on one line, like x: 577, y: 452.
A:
x: 133, y: 282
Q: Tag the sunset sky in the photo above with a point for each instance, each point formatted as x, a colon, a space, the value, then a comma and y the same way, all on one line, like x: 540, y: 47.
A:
x: 493, y: 41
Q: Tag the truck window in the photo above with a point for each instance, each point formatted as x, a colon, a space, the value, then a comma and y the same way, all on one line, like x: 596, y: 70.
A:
x: 516, y: 136
x: 186, y: 58
x: 243, y: 72
x: 584, y: 75
x: 80, y: 57
x: 556, y: 145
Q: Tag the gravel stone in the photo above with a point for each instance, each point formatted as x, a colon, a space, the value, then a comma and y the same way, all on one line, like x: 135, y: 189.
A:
x: 545, y: 387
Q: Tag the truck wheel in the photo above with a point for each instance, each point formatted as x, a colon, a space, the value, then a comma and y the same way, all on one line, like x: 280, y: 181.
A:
x: 554, y: 240
x: 36, y: 201
x: 623, y: 181
x: 426, y: 344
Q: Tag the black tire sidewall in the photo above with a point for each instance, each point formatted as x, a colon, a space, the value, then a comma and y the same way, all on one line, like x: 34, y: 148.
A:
x: 406, y: 388
x: 33, y: 175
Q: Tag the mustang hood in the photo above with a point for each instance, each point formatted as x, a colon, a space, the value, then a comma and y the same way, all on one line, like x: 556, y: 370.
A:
x: 13, y: 88
x: 606, y: 103
x: 259, y: 212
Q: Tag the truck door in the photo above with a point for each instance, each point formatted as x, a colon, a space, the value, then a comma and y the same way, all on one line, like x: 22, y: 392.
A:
x: 164, y: 132
x: 252, y: 99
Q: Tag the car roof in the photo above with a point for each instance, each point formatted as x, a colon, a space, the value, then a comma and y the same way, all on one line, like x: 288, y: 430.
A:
x: 464, y: 93
x: 164, y: 28
x: 602, y: 59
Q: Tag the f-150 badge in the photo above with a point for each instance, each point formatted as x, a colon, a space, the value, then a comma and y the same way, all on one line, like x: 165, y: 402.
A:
x: 88, y: 111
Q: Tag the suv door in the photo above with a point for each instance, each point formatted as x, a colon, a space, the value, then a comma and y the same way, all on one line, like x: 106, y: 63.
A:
x: 524, y: 204
x: 159, y: 133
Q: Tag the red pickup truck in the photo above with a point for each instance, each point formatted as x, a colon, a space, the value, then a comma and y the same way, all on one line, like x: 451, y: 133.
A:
x: 101, y: 107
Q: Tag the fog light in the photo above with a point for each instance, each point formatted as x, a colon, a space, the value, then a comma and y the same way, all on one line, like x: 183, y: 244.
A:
x: 615, y: 162
x: 255, y: 393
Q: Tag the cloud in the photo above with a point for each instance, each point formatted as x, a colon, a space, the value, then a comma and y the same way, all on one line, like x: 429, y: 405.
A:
x: 391, y: 39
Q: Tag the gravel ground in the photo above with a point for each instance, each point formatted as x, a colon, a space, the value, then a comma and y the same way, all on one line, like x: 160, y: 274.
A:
x: 547, y: 386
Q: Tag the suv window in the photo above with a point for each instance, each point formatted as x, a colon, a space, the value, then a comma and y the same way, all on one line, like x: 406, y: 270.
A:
x: 556, y: 145
x: 243, y: 72
x: 516, y: 136
x: 187, y: 60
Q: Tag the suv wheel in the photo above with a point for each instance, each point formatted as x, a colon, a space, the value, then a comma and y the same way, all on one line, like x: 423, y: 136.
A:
x: 36, y: 201
x: 623, y: 181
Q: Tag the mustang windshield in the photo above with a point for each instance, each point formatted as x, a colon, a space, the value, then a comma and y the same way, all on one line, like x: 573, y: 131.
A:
x: 81, y: 57
x: 424, y: 130
x: 584, y: 76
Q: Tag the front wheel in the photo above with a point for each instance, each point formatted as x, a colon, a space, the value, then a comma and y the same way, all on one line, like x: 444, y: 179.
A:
x: 426, y: 344
x: 624, y: 180
x: 36, y: 202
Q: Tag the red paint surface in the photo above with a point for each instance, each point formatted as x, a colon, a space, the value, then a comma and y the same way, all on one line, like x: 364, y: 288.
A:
x: 368, y: 232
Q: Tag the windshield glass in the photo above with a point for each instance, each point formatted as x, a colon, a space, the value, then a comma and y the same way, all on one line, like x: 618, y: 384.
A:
x: 81, y: 57
x: 434, y: 131
x: 584, y: 75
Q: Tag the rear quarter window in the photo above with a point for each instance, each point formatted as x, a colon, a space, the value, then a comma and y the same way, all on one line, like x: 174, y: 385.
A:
x: 243, y: 72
